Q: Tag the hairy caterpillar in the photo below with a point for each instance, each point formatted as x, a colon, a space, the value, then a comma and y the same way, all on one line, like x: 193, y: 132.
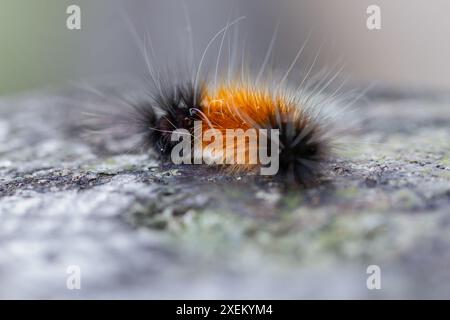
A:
x: 237, y: 102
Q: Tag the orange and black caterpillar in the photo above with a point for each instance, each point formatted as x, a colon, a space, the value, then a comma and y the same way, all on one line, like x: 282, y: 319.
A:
x: 304, y: 145
x: 306, y: 134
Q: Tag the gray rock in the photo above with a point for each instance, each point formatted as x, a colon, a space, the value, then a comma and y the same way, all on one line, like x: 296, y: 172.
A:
x: 139, y: 230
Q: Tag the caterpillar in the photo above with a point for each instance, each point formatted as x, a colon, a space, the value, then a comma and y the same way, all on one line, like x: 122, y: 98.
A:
x: 305, y: 135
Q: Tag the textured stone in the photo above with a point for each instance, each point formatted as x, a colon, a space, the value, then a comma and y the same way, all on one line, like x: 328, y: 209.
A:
x: 139, y: 230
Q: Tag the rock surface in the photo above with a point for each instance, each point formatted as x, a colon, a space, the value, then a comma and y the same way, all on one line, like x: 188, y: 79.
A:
x: 139, y: 230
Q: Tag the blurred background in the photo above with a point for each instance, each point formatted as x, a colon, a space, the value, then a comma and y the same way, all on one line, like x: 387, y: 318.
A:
x: 410, y: 51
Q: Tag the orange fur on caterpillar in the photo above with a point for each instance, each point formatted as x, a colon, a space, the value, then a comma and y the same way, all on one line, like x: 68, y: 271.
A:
x: 244, y: 106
